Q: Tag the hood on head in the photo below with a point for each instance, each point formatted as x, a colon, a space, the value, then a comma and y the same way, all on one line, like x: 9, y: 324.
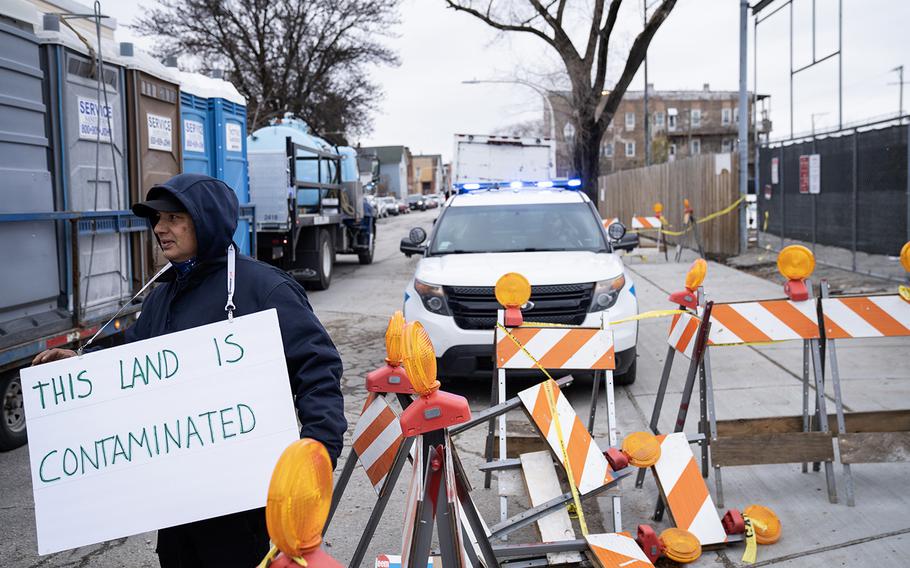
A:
x: 213, y: 207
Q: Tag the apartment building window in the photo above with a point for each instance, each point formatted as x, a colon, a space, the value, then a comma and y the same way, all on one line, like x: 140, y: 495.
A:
x: 671, y: 119
x: 695, y: 146
x: 671, y: 153
x: 630, y: 149
x: 695, y: 115
x: 736, y: 114
x: 607, y: 150
x: 726, y: 115
x: 659, y: 119
x: 630, y: 121
x: 726, y: 145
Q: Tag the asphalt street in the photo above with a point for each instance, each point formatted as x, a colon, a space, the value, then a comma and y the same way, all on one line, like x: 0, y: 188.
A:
x: 749, y: 382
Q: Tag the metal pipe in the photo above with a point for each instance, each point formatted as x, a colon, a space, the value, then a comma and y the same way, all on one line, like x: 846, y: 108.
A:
x: 791, y: 70
x: 743, y: 120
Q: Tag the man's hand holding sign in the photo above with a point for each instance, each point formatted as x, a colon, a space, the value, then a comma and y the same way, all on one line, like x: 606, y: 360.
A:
x: 180, y: 428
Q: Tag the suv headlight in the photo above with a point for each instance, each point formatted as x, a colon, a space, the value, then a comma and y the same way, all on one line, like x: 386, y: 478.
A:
x: 606, y: 293
x: 433, y: 297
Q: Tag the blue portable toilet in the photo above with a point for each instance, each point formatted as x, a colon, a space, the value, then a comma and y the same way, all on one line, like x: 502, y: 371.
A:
x: 196, y: 132
x: 227, y: 113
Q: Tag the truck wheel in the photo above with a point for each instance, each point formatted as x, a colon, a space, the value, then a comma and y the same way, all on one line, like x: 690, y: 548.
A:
x: 325, y: 261
x: 626, y: 378
x: 12, y: 413
x: 367, y: 257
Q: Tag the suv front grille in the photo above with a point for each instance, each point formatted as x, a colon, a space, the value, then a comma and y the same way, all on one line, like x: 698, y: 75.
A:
x: 474, y: 307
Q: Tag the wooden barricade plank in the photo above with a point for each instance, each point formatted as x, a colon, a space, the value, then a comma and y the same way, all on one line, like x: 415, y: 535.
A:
x: 856, y: 422
x: 874, y: 447
x: 777, y: 448
x: 543, y: 484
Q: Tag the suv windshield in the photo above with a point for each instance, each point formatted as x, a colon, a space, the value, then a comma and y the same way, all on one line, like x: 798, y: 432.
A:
x: 518, y: 228
x: 415, y: 198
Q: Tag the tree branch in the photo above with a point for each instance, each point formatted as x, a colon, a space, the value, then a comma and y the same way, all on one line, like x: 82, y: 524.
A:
x: 499, y: 25
x: 604, y: 46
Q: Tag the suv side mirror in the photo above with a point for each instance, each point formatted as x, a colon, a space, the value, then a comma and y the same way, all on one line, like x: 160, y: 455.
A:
x: 629, y: 242
x: 412, y: 243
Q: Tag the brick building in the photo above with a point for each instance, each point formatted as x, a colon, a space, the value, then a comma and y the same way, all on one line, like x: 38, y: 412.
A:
x: 683, y: 123
x: 429, y: 174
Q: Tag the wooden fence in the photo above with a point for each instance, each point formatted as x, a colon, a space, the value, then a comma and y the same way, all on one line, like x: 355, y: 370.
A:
x: 708, y: 181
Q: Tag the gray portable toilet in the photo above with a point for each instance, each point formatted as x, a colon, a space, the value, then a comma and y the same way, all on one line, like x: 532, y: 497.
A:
x: 88, y: 127
x: 29, y: 277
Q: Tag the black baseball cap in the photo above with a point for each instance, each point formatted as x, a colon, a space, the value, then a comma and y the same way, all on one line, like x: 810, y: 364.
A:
x: 158, y: 201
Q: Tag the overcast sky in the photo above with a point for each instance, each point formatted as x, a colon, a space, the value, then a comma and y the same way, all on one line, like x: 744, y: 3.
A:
x: 425, y: 102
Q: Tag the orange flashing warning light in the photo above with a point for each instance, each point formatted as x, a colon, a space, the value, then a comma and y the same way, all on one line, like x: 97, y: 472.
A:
x: 658, y: 208
x: 299, y: 496
x: 640, y: 449
x: 796, y: 263
x: 680, y: 545
x: 905, y: 256
x: 393, y: 339
x: 435, y: 409
x: 513, y: 291
x: 688, y: 298
x: 765, y: 522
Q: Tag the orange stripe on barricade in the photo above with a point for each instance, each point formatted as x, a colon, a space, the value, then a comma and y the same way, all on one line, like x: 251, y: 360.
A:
x: 612, y: 550
x: 687, y: 334
x: 608, y: 361
x: 541, y: 412
x: 688, y: 496
x: 566, y: 347
x: 725, y: 315
x: 506, y: 348
x: 792, y: 318
x: 579, y: 441
x: 373, y: 431
x: 875, y: 316
x: 383, y: 465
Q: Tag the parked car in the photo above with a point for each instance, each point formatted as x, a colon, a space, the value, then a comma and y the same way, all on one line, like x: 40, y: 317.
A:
x: 389, y: 205
x: 555, y: 238
x: 417, y: 201
x: 403, y: 206
x: 431, y: 201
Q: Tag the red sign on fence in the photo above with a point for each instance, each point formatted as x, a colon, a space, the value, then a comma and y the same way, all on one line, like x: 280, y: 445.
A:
x: 804, y: 174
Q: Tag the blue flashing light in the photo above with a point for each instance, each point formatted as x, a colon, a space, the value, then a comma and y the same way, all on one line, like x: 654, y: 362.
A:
x: 562, y: 183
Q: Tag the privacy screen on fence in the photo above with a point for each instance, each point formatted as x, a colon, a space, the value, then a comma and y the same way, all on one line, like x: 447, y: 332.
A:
x: 863, y: 191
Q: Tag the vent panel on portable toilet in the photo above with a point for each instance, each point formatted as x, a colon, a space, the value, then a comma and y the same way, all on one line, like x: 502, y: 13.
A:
x: 228, y: 115
x: 29, y: 276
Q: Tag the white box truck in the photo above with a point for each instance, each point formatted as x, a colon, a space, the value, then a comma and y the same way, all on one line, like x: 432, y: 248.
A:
x: 481, y: 158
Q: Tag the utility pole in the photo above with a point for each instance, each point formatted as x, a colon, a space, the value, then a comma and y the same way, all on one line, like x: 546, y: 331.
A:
x: 900, y: 89
x: 743, y: 122
x: 644, y: 5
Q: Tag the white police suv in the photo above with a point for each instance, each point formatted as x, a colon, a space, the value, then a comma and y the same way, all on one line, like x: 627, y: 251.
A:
x: 549, y: 232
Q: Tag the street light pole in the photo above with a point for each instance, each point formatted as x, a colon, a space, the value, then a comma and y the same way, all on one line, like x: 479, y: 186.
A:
x: 743, y: 121
x: 548, y: 105
x: 644, y: 6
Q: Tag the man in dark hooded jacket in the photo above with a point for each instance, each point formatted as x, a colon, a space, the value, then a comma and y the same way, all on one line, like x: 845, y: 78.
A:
x: 194, y: 217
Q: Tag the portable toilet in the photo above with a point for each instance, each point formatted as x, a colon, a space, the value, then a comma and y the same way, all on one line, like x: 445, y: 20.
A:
x: 29, y: 259
x: 197, y: 133
x: 88, y: 130
x: 153, y: 116
x: 228, y: 113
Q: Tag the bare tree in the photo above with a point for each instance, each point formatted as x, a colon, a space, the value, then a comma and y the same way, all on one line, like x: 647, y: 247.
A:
x: 586, y: 71
x: 309, y: 57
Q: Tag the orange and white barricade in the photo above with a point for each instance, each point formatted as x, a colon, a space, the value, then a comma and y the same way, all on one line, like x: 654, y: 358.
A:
x: 646, y: 222
x: 376, y: 440
x: 614, y: 550
x: 883, y: 436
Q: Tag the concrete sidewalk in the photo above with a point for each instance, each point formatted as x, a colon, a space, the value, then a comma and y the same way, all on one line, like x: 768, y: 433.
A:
x: 765, y: 381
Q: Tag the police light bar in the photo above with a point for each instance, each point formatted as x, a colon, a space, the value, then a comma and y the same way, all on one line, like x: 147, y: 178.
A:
x: 573, y: 184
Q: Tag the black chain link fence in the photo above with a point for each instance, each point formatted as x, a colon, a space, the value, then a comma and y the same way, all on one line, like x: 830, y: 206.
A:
x: 862, y: 203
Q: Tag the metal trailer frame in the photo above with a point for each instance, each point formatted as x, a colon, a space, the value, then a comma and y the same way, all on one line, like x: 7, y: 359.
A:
x: 80, y: 223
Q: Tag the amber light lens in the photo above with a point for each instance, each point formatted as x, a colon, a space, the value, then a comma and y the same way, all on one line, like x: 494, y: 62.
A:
x: 796, y: 262
x: 419, y: 359
x: 513, y: 290
x: 393, y: 338
x: 696, y: 275
x: 299, y: 497
x: 681, y: 545
x: 642, y: 448
x: 765, y: 522
x: 658, y: 208
x: 905, y: 256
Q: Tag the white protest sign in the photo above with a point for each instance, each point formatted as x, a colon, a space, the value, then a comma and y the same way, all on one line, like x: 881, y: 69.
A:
x: 169, y: 430
x: 193, y: 136
x: 233, y: 137
x: 89, y: 114
x: 160, y: 132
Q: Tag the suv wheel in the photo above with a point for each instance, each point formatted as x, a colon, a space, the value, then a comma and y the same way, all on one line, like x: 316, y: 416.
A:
x: 626, y: 378
x: 12, y: 413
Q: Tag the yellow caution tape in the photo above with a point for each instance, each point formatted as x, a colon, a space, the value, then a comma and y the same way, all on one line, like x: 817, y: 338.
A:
x: 751, y: 552
x: 551, y: 403
x: 765, y: 225
x: 690, y: 226
x: 273, y: 553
